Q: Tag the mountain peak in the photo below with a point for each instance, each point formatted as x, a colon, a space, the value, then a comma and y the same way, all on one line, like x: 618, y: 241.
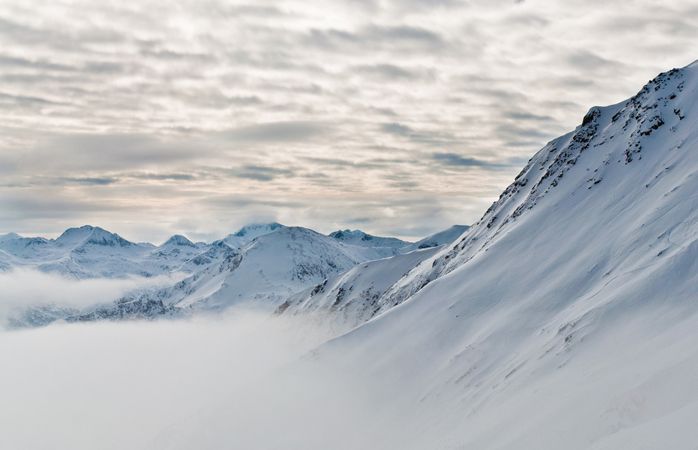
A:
x: 626, y: 132
x: 179, y: 240
x: 250, y: 232
x: 100, y: 236
x: 257, y: 228
x: 88, y: 234
x: 9, y: 236
x: 619, y: 154
x: 348, y: 234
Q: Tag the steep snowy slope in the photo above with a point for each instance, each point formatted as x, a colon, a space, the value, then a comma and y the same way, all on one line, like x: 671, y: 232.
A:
x: 356, y: 295
x: 442, y: 237
x: 276, y: 265
x: 353, y: 295
x: 567, y: 316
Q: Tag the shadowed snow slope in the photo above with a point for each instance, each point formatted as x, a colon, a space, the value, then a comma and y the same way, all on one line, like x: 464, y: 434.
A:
x: 354, y: 296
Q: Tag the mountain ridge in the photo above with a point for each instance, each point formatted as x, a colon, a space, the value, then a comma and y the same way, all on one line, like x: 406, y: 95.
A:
x: 584, y: 269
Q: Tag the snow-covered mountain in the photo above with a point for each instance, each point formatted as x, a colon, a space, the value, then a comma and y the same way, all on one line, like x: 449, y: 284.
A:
x: 442, y: 237
x: 567, y: 316
x: 93, y: 252
x: 383, y: 246
x: 83, y: 252
x: 354, y: 296
x: 266, y: 263
x: 268, y: 269
x: 174, y: 254
x: 247, y: 233
x: 388, y: 246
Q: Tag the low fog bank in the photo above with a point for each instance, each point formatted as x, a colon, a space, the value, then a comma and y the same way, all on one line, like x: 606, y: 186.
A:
x: 247, y: 380
x: 241, y: 379
x: 146, y: 385
x: 26, y: 288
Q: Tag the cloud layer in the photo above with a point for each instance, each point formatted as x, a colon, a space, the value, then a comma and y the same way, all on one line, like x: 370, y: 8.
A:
x: 24, y: 289
x: 399, y: 116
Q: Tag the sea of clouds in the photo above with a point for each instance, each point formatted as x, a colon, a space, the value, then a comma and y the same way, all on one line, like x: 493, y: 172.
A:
x: 242, y: 379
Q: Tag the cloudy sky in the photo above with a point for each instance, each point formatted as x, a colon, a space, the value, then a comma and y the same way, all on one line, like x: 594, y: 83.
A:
x: 398, y: 117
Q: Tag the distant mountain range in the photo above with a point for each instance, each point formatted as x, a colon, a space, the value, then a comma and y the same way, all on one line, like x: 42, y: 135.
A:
x: 266, y: 263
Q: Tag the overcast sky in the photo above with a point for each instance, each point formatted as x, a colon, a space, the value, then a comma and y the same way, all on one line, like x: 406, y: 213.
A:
x: 398, y: 117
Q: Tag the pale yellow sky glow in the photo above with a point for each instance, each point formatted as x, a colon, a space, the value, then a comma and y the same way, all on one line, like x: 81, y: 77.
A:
x: 395, y: 117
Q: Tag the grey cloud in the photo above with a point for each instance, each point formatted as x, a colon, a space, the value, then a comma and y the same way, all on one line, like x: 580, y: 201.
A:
x: 373, y: 36
x: 239, y: 201
x: 209, y: 97
x: 419, y: 136
x: 109, y: 68
x: 404, y: 33
x: 526, y: 20
x: 16, y: 206
x: 161, y: 176
x: 97, y: 181
x: 173, y: 55
x: 106, y: 151
x: 344, y: 164
x: 291, y: 131
x: 260, y: 173
x: 24, y: 100
x: 245, y: 10
x: 39, y: 64
x: 527, y: 116
x: 392, y: 72
x: 517, y: 131
x: 21, y: 32
x: 457, y: 160
x: 588, y: 60
x: 397, y: 129
x: 37, y: 181
x: 675, y: 21
x: 58, y: 38
x: 531, y: 144
x: 404, y: 184
x: 31, y: 79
